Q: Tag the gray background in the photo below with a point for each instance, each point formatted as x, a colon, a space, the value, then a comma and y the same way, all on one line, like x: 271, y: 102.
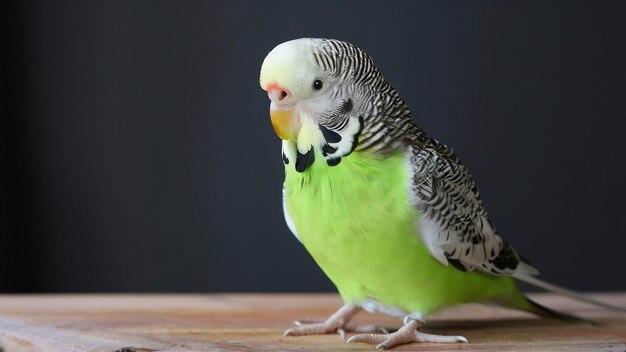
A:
x: 137, y: 153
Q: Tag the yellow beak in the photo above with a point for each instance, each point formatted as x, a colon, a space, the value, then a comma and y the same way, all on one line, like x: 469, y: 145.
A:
x: 285, y: 122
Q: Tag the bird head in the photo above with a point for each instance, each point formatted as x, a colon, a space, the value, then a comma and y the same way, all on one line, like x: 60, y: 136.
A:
x: 297, y: 86
x: 322, y: 92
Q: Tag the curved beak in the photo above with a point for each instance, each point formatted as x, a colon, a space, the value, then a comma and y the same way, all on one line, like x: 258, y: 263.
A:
x: 285, y: 120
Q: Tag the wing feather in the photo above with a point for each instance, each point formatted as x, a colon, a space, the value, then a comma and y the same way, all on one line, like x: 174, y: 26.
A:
x: 454, y: 225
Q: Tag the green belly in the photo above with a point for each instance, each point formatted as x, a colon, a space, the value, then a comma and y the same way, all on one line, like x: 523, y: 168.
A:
x: 356, y: 220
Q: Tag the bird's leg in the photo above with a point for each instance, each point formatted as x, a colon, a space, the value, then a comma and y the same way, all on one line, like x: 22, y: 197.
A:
x: 406, y: 334
x: 339, y: 323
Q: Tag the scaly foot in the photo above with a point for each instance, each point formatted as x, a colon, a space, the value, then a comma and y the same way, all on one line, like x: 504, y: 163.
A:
x: 338, y: 323
x: 406, y: 334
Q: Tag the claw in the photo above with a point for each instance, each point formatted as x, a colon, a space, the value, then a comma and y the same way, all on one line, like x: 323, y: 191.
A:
x: 342, y: 333
x: 424, y: 337
x: 367, y: 338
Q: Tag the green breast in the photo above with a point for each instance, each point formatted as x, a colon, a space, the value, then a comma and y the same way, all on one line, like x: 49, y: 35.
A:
x: 356, y: 220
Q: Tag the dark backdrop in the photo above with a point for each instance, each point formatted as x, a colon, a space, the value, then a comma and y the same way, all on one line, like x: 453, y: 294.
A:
x: 137, y: 153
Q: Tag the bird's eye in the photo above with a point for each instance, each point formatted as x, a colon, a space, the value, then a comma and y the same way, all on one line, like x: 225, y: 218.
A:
x: 317, y: 85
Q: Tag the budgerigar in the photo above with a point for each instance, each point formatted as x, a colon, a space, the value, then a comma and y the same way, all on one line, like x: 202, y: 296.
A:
x: 388, y: 213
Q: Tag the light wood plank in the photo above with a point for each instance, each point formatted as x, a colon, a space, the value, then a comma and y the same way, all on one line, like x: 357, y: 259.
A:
x: 249, y: 322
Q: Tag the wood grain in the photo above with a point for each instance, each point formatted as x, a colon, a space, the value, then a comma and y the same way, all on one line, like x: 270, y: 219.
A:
x: 253, y: 322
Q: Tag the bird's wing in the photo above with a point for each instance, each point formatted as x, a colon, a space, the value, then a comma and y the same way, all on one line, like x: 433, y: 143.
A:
x: 454, y: 224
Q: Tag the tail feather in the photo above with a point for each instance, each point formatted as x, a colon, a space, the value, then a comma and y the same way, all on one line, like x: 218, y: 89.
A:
x: 565, y: 292
x: 551, y: 313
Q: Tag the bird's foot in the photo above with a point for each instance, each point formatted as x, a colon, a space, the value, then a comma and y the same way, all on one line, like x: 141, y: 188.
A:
x: 406, y: 334
x: 338, y: 323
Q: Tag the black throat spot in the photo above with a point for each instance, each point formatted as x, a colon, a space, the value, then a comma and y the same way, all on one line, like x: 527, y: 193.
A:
x: 333, y: 162
x: 329, y: 135
x: 328, y: 149
x: 303, y: 161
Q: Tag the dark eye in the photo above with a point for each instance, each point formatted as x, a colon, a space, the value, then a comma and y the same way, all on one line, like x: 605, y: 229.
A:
x: 317, y: 85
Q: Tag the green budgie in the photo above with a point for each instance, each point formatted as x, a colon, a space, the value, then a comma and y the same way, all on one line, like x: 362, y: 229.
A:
x: 389, y: 214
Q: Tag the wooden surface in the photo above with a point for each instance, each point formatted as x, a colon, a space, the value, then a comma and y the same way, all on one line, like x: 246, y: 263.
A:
x: 242, y: 322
